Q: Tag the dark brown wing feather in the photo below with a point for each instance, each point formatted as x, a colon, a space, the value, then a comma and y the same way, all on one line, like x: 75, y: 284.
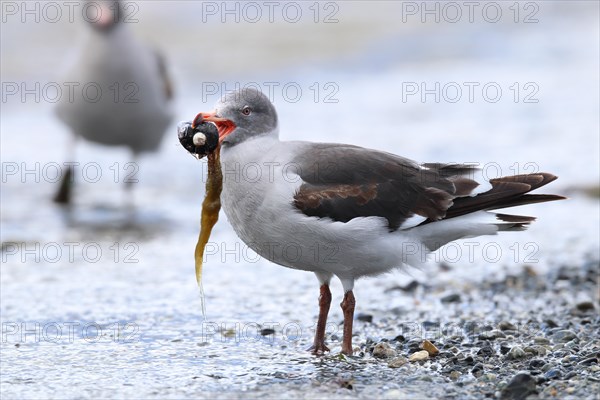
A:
x: 343, y: 182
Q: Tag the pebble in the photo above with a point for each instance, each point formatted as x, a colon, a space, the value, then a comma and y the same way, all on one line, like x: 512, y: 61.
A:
x: 540, y: 340
x: 486, y: 351
x: 539, y: 350
x: 536, y: 363
x: 430, y: 348
x: 383, y: 350
x: 454, y: 375
x: 551, y: 323
x: 569, y: 359
x: 364, y: 317
x: 414, y: 345
x: 547, y: 367
x: 519, y: 387
x: 588, y: 361
x: 468, y: 360
x: 570, y: 375
x: 419, y: 356
x: 585, y: 306
x: 491, y: 335
x: 558, y: 346
x: 477, y: 370
x: 506, y: 326
x: 346, y: 384
x: 564, y: 335
x: 573, y: 345
x: 451, y: 298
x: 267, y: 331
x: 399, y: 338
x: 411, y: 287
x: 489, y: 377
x: 397, y: 362
x: 553, y: 373
x: 515, y: 353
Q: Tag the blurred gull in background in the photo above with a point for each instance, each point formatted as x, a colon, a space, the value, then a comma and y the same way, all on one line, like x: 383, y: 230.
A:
x: 126, y: 102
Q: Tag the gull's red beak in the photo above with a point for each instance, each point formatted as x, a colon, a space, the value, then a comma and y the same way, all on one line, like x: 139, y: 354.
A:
x: 224, y: 125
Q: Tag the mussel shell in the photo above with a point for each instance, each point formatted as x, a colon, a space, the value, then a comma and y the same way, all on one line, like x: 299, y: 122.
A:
x: 186, y: 133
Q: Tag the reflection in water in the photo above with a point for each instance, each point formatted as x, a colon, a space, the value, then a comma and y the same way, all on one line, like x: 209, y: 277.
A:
x: 116, y: 222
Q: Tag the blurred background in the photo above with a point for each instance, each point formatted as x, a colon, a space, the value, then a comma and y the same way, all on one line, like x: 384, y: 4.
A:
x: 512, y: 86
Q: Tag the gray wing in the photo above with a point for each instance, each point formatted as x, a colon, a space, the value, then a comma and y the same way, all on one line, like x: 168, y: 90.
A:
x: 343, y: 182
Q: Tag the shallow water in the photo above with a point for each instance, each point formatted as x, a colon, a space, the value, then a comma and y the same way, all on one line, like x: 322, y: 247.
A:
x: 101, y: 300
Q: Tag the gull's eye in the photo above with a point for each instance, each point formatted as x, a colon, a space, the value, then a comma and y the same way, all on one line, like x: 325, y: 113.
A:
x: 246, y: 110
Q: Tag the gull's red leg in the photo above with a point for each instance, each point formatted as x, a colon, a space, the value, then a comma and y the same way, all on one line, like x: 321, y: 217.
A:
x: 348, y: 309
x: 318, y: 346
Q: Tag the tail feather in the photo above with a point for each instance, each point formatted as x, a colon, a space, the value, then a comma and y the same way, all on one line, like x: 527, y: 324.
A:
x: 468, y: 216
x: 519, y: 219
x: 529, y: 199
x: 506, y: 192
x: 510, y: 222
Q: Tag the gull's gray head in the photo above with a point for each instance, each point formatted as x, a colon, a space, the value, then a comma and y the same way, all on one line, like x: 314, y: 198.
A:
x: 103, y: 15
x: 241, y: 115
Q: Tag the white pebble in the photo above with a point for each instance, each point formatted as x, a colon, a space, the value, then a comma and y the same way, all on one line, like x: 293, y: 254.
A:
x: 419, y: 356
x: 199, y: 139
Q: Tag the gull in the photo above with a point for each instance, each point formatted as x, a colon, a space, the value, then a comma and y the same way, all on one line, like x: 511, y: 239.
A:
x: 347, y: 211
x: 121, y: 94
